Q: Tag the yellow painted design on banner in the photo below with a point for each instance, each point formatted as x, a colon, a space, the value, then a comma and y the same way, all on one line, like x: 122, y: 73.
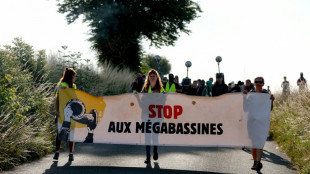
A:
x: 87, y: 105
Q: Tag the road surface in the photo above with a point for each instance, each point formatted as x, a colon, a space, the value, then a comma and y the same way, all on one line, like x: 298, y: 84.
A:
x: 112, y: 159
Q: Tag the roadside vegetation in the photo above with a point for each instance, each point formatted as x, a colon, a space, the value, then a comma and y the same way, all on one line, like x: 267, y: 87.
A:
x: 28, y: 80
x: 290, y: 128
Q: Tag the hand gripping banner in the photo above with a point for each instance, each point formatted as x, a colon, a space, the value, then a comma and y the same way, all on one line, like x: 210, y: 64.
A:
x: 230, y: 120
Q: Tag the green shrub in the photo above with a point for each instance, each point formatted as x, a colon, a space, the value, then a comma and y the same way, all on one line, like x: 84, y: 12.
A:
x: 24, y: 111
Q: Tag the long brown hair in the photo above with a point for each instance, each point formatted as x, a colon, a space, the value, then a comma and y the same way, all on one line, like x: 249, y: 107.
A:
x: 158, y: 84
x: 67, y: 77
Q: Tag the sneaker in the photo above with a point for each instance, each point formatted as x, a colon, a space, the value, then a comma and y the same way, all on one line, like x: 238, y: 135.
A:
x: 71, y: 157
x: 259, y: 166
x: 89, y: 138
x: 254, y: 165
x: 56, y: 156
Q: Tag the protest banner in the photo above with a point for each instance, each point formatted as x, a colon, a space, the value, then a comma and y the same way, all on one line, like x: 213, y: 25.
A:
x: 230, y: 120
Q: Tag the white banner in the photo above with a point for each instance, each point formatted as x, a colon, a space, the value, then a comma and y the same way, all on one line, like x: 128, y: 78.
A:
x: 230, y: 120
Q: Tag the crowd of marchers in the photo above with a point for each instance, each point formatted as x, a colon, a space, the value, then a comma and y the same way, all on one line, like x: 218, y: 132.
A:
x: 211, y: 88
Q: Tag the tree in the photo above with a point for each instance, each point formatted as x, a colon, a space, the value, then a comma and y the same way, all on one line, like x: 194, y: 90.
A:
x: 41, y: 71
x: 23, y: 53
x: 149, y: 62
x: 117, y: 26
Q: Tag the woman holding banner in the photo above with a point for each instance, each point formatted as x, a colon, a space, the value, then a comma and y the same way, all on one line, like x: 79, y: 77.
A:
x: 66, y: 81
x: 152, y: 84
x: 258, y: 153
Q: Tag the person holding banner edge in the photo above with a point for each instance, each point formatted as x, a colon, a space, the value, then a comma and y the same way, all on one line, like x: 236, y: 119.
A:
x: 258, y: 153
x: 152, y: 85
x: 66, y: 81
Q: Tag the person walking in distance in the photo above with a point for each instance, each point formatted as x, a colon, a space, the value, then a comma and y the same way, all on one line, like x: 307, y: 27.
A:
x: 302, y: 83
x: 285, y: 87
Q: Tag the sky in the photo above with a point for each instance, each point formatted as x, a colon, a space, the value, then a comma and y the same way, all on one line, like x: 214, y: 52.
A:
x: 269, y: 38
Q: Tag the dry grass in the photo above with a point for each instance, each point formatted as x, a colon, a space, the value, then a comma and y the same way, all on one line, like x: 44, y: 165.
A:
x: 26, y: 137
x: 290, y: 127
x: 111, y: 80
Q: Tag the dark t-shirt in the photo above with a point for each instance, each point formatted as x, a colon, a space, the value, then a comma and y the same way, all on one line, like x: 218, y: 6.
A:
x: 236, y: 88
x: 249, y: 88
x: 193, y: 91
x: 218, y: 90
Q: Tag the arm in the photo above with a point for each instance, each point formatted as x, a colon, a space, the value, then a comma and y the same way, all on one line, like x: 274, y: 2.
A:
x: 244, y: 91
x: 272, y: 99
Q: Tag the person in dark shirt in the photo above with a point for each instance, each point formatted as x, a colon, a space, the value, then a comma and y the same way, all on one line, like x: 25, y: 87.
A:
x: 302, y: 83
x: 237, y: 87
x: 219, y: 86
x: 248, y: 86
x: 186, y: 86
x: 137, y: 84
x: 194, y: 88
x: 201, y: 88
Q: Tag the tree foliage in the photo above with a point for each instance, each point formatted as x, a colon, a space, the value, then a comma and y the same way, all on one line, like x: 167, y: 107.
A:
x: 117, y: 26
x: 28, y: 60
x: 149, y: 62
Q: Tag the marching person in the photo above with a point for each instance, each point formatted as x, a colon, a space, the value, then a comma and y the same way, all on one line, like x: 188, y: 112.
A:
x: 209, y: 86
x: 248, y: 86
x: 152, y: 85
x: 219, y: 86
x: 66, y: 81
x: 172, y: 85
x: 258, y: 153
x: 193, y: 88
x: 286, y: 87
x: 302, y: 82
x: 137, y: 85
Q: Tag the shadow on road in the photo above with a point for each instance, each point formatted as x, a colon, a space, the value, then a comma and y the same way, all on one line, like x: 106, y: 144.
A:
x: 273, y: 158
x: 108, y: 149
x: 111, y: 170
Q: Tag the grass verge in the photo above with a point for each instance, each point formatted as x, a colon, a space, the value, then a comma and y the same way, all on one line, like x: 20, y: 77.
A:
x: 290, y: 128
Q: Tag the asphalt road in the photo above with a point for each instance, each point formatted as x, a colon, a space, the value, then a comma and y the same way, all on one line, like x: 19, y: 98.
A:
x: 109, y: 158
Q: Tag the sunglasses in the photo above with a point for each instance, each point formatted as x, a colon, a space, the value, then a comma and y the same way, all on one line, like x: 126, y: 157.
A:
x: 260, y: 82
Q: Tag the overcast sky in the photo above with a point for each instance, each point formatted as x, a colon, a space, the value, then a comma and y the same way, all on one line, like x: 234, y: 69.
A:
x: 269, y: 38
